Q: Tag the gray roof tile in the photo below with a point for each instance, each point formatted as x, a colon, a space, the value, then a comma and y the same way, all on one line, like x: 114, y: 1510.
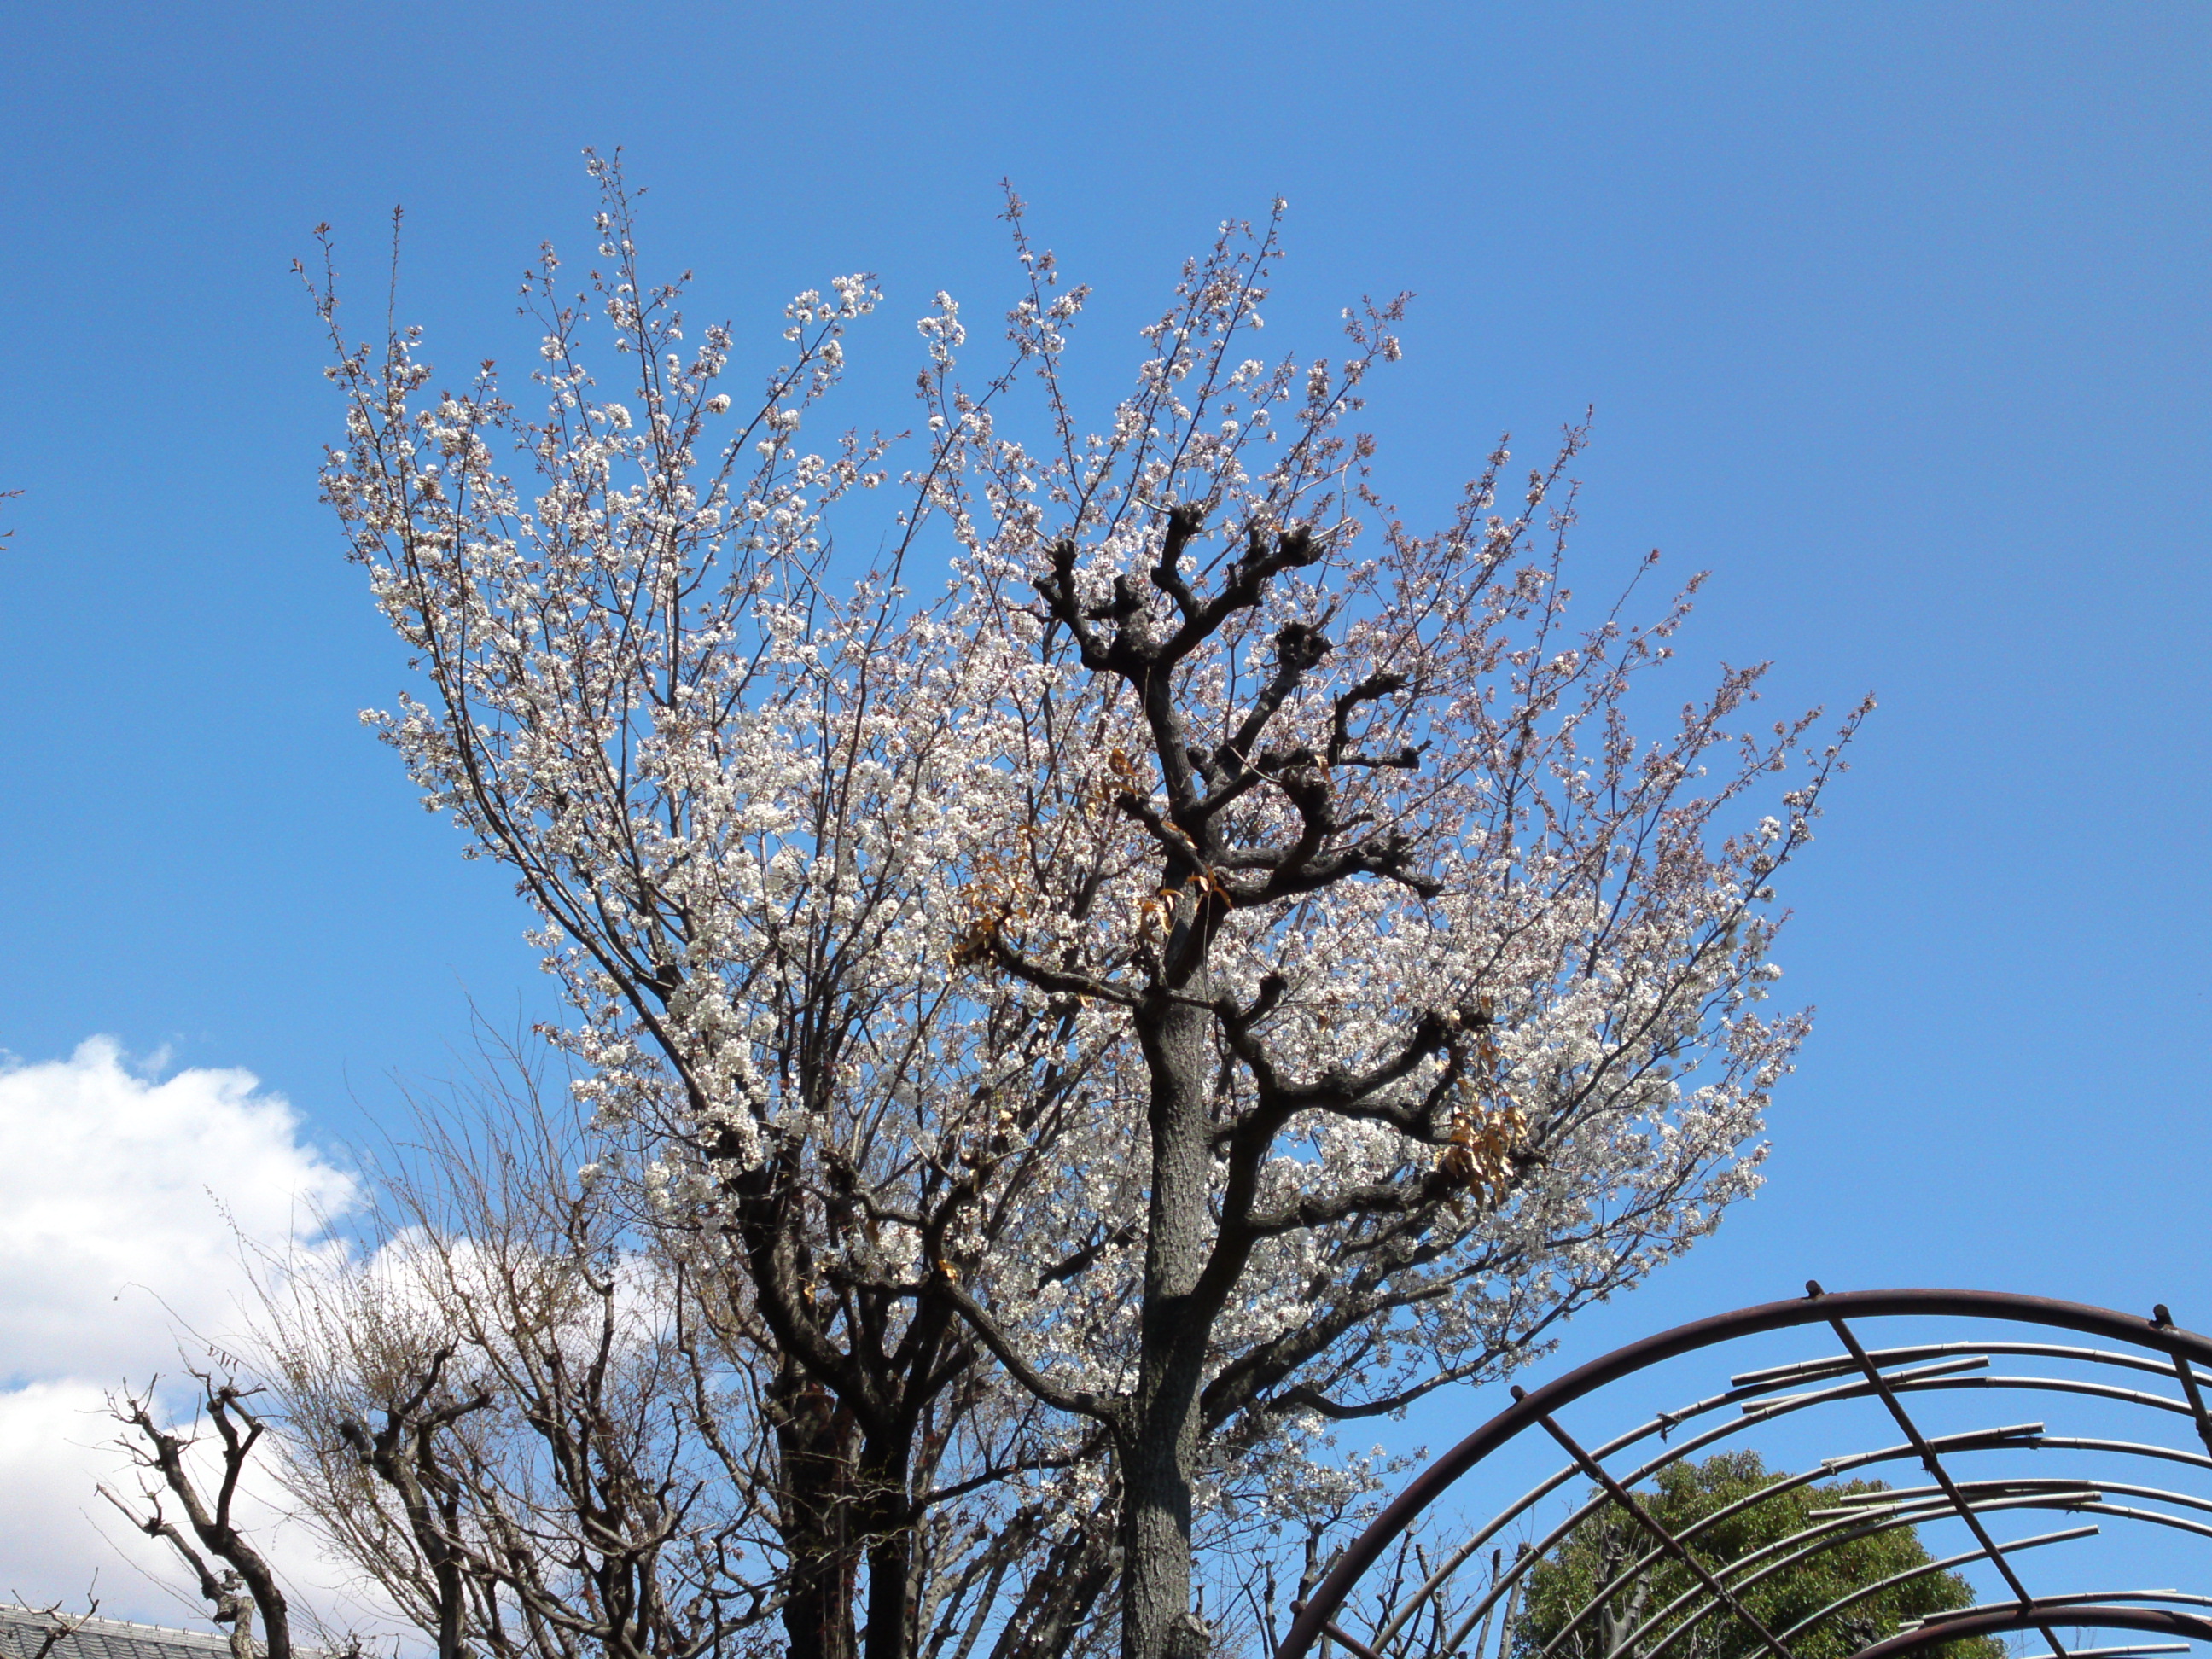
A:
x: 23, y: 1629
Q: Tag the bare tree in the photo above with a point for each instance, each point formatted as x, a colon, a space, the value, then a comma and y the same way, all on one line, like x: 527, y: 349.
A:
x: 245, y: 1585
x: 59, y: 1625
x: 493, y: 1412
x: 543, y: 1429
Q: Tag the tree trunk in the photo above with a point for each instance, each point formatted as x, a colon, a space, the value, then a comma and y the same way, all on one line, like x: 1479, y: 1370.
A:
x: 890, y: 1598
x: 816, y: 1444
x: 891, y: 1553
x: 1159, y: 1438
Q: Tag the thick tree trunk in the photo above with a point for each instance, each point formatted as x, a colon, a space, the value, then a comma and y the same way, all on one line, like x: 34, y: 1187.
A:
x: 891, y: 1553
x: 891, y: 1601
x: 816, y: 1444
x: 1159, y: 1440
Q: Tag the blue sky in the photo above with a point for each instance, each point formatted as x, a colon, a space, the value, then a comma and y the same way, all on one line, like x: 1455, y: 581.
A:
x: 1894, y: 318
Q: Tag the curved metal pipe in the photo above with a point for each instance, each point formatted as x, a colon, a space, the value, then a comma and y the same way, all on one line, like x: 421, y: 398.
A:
x: 2010, y: 1437
x: 1982, y: 1439
x: 1758, y: 1411
x: 1972, y: 1440
x: 1914, y: 1514
x: 1813, y: 1370
x: 1424, y: 1491
x: 1907, y: 1381
x: 1911, y: 1573
x: 2030, y: 1615
x: 1824, y: 1537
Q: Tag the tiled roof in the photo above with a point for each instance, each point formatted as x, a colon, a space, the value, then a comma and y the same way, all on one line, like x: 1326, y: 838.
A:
x: 23, y: 1630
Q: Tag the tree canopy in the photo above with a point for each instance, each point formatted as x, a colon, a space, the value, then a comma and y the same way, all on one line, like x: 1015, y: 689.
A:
x: 1163, y: 959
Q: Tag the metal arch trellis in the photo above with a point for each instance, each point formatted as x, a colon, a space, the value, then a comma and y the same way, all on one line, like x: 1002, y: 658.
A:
x: 1888, y: 1375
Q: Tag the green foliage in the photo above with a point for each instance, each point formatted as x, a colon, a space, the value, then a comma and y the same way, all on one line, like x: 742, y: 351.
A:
x: 1610, y: 1542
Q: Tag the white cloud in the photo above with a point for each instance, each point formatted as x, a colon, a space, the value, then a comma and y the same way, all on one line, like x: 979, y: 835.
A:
x: 114, y: 1249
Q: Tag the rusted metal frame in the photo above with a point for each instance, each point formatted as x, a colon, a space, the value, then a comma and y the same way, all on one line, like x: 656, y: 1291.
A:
x: 1975, y: 1439
x: 1966, y: 1440
x: 2157, y: 1517
x: 2130, y: 1448
x: 1890, y: 1523
x: 1748, y: 1385
x: 1946, y: 1369
x: 1405, y: 1610
x: 1911, y: 1573
x: 2161, y: 1316
x: 1665, y: 1422
x: 1986, y: 1493
x: 1667, y: 1540
x: 2059, y: 1603
x: 1661, y: 1425
x: 2077, y: 1499
x: 2054, y: 1492
x: 1934, y: 1465
x: 1813, y: 1539
x: 2196, y: 1400
x: 1813, y: 1370
x: 1420, y: 1493
x: 1999, y: 1621
x: 1758, y: 1411
x: 1523, y: 1563
x: 2011, y: 1437
x: 2089, y: 1504
x: 1628, y: 1573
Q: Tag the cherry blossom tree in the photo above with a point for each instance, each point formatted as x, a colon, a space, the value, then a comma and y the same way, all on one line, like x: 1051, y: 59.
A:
x: 1164, y: 958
